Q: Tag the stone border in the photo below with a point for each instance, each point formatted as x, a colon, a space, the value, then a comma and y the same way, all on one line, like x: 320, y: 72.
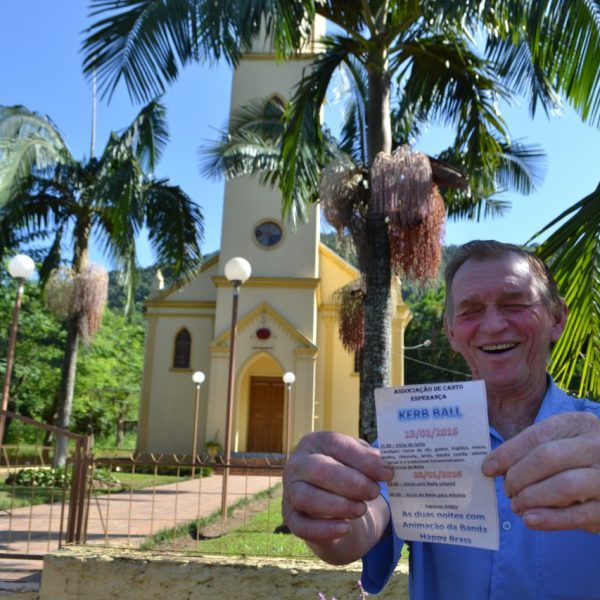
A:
x: 79, y: 573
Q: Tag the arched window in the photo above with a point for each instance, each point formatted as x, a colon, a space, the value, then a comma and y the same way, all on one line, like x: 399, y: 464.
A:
x: 183, y: 348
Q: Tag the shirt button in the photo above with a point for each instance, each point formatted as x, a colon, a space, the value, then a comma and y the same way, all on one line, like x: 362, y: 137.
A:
x: 506, y: 525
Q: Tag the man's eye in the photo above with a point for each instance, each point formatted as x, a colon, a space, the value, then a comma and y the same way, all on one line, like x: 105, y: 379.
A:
x: 513, y: 308
x: 471, y: 311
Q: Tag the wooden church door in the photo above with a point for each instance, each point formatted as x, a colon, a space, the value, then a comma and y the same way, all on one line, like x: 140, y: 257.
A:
x: 265, y: 422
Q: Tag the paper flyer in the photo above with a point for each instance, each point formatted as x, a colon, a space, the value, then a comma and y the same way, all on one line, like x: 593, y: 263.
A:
x: 436, y: 436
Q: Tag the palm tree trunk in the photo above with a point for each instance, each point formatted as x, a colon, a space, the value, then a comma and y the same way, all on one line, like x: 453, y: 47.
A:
x: 375, y: 371
x: 379, y: 130
x: 378, y: 323
x: 67, y: 388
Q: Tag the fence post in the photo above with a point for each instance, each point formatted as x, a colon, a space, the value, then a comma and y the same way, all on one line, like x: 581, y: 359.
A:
x: 76, y: 523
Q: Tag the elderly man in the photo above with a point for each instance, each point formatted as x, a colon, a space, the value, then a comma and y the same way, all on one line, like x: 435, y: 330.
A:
x: 503, y: 312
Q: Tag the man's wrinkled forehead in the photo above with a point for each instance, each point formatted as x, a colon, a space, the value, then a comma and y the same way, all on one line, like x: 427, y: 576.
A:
x: 517, y: 278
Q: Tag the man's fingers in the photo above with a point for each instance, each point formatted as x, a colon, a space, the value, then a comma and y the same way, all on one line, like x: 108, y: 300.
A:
x: 348, y: 451
x: 567, y: 425
x: 579, y: 516
x: 552, y: 472
x: 330, y: 486
x: 325, y: 472
x: 317, y: 530
x: 321, y: 504
x: 571, y: 487
x: 553, y: 458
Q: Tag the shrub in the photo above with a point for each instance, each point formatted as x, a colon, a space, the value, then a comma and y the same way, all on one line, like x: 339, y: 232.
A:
x: 40, y: 477
x: 57, y: 477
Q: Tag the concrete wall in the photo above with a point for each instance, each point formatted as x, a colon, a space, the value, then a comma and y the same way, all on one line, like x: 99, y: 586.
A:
x: 88, y: 574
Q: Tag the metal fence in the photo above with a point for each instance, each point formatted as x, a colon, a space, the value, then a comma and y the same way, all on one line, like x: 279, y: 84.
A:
x: 170, y: 503
x: 151, y: 502
x: 41, y: 508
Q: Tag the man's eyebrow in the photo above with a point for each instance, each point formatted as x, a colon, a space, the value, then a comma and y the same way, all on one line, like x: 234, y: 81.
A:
x: 509, y: 294
x: 468, y: 300
x: 513, y: 295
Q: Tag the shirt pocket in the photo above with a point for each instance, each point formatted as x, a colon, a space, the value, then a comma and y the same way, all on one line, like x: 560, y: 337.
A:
x: 569, y: 565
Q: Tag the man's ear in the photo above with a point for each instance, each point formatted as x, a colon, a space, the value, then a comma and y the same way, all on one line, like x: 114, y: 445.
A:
x: 449, y: 332
x: 560, y: 321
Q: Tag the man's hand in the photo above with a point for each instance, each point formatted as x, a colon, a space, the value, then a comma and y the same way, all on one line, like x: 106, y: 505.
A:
x: 330, y: 494
x: 552, y: 472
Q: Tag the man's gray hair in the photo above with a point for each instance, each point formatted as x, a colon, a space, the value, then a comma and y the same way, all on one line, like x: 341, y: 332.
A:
x: 482, y: 250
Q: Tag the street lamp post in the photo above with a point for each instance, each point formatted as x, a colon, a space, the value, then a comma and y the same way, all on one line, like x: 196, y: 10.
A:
x: 237, y: 271
x: 288, y: 379
x: 20, y: 267
x: 198, y: 378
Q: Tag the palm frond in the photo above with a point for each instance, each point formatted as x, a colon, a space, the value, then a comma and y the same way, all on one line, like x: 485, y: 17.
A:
x: 353, y: 138
x: 516, y: 65
x: 251, y: 147
x: 52, y: 259
x: 138, y: 42
x: 29, y: 144
x: 241, y: 153
x: 18, y: 122
x: 303, y: 147
x: 464, y: 204
x: 175, y: 225
x: 518, y: 167
x: 145, y: 138
x: 146, y: 42
x: 521, y: 167
x: 557, y: 51
x: 119, y: 245
x: 573, y: 255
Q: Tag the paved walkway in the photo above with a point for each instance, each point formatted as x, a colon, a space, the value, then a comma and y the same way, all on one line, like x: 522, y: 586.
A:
x: 120, y: 520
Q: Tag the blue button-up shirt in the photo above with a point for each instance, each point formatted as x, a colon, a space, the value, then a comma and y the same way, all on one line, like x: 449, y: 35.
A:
x: 529, y: 565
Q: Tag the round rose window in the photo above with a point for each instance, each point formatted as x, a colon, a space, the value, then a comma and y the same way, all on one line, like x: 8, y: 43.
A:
x: 268, y: 233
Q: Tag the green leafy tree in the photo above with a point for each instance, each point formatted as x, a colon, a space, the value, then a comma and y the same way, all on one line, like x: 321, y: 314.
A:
x: 38, y: 353
x: 108, y: 378
x: 117, y: 295
x: 43, y: 188
x: 423, y: 50
x: 109, y: 369
x: 437, y: 361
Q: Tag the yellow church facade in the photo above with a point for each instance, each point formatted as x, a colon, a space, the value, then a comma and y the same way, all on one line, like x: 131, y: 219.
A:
x: 287, y: 322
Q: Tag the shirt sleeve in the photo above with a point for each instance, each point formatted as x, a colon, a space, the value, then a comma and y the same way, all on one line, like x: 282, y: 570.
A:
x: 379, y: 563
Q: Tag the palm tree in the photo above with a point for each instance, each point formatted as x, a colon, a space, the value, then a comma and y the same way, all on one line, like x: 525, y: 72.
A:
x: 45, y: 191
x: 252, y: 146
x: 573, y: 255
x: 423, y: 50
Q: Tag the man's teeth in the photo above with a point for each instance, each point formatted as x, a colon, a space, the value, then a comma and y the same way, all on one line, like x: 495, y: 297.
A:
x: 497, y: 347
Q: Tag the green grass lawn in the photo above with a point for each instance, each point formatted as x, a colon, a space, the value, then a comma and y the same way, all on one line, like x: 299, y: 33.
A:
x: 138, y: 481
x: 248, y: 531
x: 256, y: 537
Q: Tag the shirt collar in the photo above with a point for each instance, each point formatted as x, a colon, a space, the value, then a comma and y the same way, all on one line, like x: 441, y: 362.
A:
x: 555, y: 401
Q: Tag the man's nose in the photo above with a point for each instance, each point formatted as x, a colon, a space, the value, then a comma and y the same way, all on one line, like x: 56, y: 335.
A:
x: 493, y: 319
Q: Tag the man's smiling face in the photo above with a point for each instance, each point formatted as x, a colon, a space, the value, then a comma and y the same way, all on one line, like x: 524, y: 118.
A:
x: 500, y: 323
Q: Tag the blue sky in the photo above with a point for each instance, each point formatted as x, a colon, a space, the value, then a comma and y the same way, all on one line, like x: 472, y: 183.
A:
x: 40, y: 67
